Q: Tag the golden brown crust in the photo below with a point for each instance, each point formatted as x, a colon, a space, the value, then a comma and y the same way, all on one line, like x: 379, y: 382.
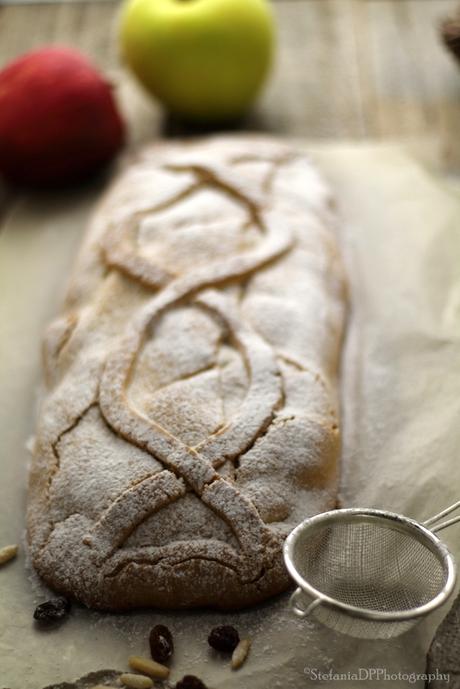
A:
x: 190, y: 419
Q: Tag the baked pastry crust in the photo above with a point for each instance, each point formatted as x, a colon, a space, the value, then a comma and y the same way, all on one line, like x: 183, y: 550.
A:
x: 190, y: 416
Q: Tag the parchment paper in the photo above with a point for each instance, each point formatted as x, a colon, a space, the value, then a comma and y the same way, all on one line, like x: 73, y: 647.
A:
x: 401, y: 426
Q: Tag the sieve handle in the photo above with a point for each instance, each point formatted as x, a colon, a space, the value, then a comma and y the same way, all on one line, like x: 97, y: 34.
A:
x: 444, y: 513
x: 297, y: 609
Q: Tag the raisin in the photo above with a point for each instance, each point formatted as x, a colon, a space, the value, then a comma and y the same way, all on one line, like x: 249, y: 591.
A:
x: 224, y: 638
x: 161, y: 643
x: 51, y: 611
x: 190, y: 682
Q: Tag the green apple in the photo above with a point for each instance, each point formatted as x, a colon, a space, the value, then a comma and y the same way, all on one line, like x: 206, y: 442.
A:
x: 203, y: 59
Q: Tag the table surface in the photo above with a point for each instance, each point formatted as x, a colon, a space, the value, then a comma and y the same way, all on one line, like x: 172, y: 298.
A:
x: 352, y: 69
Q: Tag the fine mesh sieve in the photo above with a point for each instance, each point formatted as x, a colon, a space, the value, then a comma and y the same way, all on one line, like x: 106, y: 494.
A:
x: 369, y: 573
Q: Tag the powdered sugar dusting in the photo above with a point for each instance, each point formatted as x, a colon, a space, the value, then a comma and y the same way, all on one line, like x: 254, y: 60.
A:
x: 202, y: 364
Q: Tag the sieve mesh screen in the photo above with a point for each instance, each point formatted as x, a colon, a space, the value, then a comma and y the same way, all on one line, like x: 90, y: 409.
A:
x: 369, y: 564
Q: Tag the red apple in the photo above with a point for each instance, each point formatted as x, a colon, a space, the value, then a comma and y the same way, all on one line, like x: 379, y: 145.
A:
x: 58, y: 119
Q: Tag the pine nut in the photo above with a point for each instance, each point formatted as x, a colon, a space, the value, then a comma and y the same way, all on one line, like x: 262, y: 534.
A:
x: 148, y: 667
x: 7, y: 553
x: 240, y: 653
x: 136, y: 681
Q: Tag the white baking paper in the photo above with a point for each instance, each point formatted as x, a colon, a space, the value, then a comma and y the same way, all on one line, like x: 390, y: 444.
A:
x: 400, y: 234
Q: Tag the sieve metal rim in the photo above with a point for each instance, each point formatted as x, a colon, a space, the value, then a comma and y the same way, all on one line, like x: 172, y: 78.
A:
x: 396, y: 521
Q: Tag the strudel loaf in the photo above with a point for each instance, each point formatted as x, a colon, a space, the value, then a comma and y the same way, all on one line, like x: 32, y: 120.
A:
x: 190, y: 414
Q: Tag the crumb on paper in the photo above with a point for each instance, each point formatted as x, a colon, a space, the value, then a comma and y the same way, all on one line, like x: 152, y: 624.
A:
x: 30, y: 444
x: 105, y: 678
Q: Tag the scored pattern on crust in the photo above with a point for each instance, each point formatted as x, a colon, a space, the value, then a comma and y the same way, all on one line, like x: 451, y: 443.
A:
x: 200, y: 469
x: 197, y: 466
